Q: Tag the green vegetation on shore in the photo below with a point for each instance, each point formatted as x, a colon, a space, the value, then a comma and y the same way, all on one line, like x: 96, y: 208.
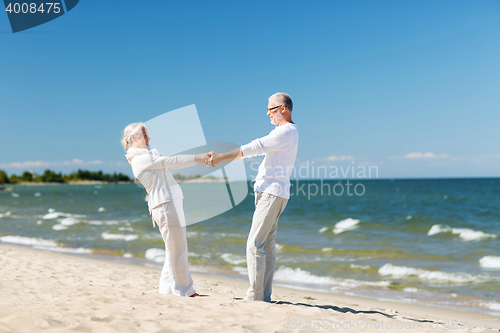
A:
x: 50, y: 176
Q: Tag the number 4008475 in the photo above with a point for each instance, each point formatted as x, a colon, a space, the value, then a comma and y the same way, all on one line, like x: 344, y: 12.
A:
x: 34, y: 8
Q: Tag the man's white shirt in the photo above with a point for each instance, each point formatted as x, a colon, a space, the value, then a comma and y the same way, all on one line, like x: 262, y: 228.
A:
x: 280, y: 147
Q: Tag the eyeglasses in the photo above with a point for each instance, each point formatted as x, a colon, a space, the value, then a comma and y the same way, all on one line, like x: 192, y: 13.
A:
x: 271, y: 109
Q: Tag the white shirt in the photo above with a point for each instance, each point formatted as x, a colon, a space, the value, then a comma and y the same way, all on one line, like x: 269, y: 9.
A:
x: 280, y: 148
x: 152, y: 169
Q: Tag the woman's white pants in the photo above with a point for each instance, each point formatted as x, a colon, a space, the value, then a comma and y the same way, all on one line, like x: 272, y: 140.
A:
x: 175, y: 277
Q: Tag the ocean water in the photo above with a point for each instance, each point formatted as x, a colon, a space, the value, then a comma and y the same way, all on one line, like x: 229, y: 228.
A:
x: 424, y: 241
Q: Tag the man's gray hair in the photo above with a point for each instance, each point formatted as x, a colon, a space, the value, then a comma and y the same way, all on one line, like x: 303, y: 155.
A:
x: 282, y: 99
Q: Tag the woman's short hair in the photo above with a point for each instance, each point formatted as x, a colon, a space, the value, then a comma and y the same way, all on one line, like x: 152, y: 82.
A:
x: 129, y: 131
x: 282, y: 99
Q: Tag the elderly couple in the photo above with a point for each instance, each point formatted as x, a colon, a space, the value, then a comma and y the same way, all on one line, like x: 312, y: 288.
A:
x: 272, y: 191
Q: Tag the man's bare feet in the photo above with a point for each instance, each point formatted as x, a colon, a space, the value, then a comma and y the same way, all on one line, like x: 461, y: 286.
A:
x: 195, y: 295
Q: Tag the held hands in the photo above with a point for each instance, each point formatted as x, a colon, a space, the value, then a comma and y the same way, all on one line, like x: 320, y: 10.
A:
x: 213, y: 160
x: 216, y: 158
x: 202, y: 158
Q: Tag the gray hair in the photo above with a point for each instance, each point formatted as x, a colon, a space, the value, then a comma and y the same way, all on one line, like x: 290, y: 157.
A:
x: 282, y: 99
x: 130, y: 130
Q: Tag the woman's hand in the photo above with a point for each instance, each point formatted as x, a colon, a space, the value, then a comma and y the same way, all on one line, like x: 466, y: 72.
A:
x: 202, y: 158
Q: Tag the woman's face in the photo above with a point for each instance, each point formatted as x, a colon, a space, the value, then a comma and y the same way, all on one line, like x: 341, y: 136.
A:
x: 142, y: 140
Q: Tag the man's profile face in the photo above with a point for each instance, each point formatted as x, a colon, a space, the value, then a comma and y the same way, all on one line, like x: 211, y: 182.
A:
x: 273, y: 112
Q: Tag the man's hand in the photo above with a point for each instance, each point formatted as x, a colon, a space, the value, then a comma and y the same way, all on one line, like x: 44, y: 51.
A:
x: 215, y: 159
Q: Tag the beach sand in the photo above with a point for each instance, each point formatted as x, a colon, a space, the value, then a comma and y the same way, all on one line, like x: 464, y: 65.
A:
x: 51, y: 292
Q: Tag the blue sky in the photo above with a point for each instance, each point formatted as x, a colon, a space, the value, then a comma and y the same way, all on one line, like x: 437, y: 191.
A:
x: 411, y: 87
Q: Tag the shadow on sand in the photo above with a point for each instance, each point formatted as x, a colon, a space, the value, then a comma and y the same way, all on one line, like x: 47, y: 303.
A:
x: 336, y: 308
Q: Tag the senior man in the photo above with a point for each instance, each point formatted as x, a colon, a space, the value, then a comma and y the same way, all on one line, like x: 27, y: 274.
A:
x: 272, y: 191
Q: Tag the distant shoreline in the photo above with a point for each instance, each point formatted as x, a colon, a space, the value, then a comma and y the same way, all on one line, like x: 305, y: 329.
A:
x: 100, y: 182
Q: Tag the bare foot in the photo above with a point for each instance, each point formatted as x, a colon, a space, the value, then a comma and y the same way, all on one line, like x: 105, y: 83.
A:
x: 195, y: 295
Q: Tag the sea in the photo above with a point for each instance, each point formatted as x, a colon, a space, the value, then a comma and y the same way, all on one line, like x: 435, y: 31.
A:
x: 434, y: 242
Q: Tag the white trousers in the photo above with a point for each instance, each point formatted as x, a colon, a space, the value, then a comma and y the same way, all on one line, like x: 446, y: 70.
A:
x: 175, y: 277
x: 261, y: 257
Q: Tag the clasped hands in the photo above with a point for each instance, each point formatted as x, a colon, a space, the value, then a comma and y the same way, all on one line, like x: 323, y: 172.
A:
x: 212, y: 158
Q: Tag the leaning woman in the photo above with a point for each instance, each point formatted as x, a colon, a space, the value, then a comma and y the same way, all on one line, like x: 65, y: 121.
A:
x: 152, y: 169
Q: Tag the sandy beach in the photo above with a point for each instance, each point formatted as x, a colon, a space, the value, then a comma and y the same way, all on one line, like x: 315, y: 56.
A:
x: 44, y: 291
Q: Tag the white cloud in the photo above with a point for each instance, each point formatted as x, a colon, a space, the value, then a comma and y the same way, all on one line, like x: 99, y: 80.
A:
x: 338, y: 158
x: 425, y: 156
x: 490, y: 158
x: 34, y: 164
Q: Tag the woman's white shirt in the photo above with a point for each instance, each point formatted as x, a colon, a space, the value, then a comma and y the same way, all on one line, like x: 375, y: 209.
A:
x: 152, y: 169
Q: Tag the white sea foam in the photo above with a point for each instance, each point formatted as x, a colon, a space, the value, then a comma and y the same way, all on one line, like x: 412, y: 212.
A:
x: 156, y: 255
x: 492, y: 306
x: 410, y: 290
x: 408, y: 217
x: 323, y: 229
x: 127, y: 255
x: 111, y: 222
x: 43, y: 244
x: 27, y: 241
x: 127, y: 238
x: 233, y: 259
x: 79, y: 250
x: 352, y: 284
x: 438, y: 228
x: 286, y: 274
x: 360, y: 266
x: 436, y: 276
x: 345, y: 225
x: 5, y: 215
x: 278, y: 247
x: 326, y: 249
x: 102, y: 209
x: 69, y: 221
x: 464, y: 233
x: 241, y: 270
x: 64, y: 223
x: 15, y: 195
x: 297, y: 275
x: 59, y: 227
x: 98, y: 222
x: 38, y: 194
x: 490, y: 262
x: 126, y: 229
x: 52, y: 214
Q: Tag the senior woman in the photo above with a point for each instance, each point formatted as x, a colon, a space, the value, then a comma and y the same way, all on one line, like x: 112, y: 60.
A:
x: 152, y: 169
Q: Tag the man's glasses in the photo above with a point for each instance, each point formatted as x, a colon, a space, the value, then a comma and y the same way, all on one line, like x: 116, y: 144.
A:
x: 271, y: 109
